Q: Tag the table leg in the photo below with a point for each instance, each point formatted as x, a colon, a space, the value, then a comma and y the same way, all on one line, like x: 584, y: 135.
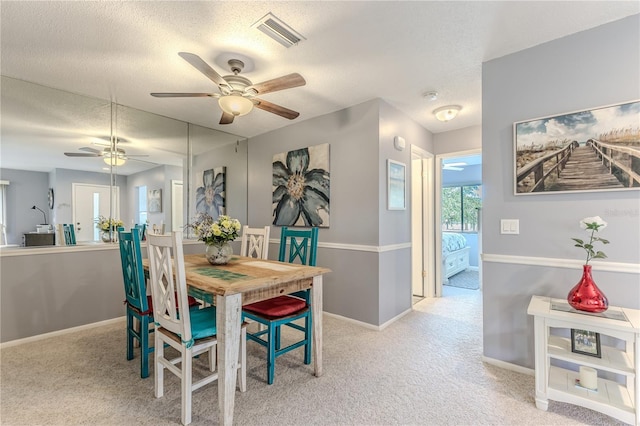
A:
x: 316, y: 307
x: 228, y: 318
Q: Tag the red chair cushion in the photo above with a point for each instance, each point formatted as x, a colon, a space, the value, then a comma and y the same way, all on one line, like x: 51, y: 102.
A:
x: 280, y: 306
x: 192, y: 302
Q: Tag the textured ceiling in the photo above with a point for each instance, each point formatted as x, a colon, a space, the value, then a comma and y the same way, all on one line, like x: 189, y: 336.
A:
x: 353, y: 52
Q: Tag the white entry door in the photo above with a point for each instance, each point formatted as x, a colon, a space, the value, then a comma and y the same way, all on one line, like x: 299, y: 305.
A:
x: 89, y: 202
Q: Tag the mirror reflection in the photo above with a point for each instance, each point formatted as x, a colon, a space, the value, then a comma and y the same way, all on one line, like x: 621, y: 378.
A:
x: 79, y: 158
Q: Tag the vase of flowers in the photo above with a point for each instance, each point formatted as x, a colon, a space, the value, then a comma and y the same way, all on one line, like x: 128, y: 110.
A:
x: 586, y: 296
x: 217, y: 235
x: 108, y: 228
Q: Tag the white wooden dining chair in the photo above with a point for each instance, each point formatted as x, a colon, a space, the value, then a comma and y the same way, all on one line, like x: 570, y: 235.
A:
x: 189, y: 332
x: 255, y: 242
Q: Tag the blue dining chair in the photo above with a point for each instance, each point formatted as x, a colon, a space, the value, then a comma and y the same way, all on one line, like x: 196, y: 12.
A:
x: 69, y: 234
x: 139, y: 304
x: 143, y: 231
x: 137, y: 301
x: 284, y: 310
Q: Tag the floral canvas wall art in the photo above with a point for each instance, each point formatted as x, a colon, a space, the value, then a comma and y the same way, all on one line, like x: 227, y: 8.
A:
x: 301, y: 187
x: 211, y: 192
x: 154, y: 201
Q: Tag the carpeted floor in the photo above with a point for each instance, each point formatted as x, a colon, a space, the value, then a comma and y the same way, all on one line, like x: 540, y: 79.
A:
x: 466, y: 279
x: 424, y: 369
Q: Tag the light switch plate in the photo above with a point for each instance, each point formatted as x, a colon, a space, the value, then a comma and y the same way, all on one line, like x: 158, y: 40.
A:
x: 509, y: 226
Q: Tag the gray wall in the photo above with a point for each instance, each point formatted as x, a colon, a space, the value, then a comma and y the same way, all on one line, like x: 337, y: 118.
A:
x: 25, y: 190
x: 585, y: 70
x: 361, y: 139
x: 458, y: 140
x: 157, y: 178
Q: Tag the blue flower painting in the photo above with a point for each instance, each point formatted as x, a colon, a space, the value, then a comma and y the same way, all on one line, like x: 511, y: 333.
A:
x: 301, y: 187
x: 211, y: 196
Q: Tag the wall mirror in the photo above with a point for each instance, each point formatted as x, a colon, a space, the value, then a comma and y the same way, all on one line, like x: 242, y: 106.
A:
x: 161, y: 157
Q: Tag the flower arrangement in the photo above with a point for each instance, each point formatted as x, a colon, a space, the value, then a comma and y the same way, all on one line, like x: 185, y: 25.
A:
x: 105, y: 224
x: 211, y: 231
x: 593, y: 224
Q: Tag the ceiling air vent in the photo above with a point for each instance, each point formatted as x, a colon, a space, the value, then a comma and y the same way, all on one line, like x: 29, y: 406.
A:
x: 278, y: 30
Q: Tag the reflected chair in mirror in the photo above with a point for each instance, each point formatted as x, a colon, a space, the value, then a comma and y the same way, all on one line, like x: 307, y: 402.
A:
x: 189, y: 332
x: 69, y: 234
x: 143, y: 231
x: 285, y: 310
x: 137, y: 302
x: 255, y: 242
x: 3, y: 234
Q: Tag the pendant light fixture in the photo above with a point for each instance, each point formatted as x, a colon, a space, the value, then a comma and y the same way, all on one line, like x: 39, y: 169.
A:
x: 235, y: 105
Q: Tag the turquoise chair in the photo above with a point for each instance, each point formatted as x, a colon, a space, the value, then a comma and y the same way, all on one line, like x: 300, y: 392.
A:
x: 139, y: 305
x: 143, y: 231
x: 284, y: 310
x: 137, y: 301
x: 69, y: 234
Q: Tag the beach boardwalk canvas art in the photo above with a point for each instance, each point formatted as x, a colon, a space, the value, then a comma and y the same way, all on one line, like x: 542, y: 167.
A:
x: 211, y: 192
x: 591, y: 150
x: 301, y: 187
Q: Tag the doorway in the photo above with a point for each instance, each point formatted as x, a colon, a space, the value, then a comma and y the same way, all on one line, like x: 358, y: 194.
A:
x: 422, y: 225
x: 89, y: 202
x: 458, y: 178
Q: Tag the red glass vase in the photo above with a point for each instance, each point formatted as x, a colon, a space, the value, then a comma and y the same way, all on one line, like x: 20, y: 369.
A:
x: 586, y: 296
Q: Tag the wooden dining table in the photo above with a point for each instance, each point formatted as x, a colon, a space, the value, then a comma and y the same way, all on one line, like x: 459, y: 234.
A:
x: 242, y: 281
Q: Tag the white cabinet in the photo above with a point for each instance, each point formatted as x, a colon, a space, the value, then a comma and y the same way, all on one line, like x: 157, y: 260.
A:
x: 556, y: 366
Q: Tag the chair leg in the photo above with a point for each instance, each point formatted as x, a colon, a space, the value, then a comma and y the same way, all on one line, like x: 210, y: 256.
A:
x: 271, y: 353
x: 144, y: 347
x: 129, y: 335
x: 307, y: 338
x: 277, y: 338
x: 242, y: 358
x: 159, y: 367
x: 187, y: 379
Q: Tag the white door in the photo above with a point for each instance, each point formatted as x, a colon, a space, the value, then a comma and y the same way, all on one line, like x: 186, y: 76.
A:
x: 89, y: 202
x: 422, y: 255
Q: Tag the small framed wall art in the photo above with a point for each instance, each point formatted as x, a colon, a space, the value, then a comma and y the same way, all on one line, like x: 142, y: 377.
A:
x: 396, y: 185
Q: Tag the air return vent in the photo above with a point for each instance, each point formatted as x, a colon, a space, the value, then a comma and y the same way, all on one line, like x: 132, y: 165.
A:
x: 278, y: 30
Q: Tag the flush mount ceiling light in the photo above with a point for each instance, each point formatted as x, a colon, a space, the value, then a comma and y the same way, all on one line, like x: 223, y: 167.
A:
x: 235, y: 104
x: 447, y: 113
x: 278, y: 30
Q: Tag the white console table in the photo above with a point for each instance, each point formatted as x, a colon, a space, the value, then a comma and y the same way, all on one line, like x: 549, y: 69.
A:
x: 617, y: 398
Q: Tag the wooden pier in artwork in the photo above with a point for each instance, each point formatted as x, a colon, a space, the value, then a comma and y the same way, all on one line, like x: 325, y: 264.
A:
x: 588, y: 167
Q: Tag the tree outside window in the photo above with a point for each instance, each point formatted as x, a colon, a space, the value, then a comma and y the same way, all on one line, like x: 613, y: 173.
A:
x: 460, y: 208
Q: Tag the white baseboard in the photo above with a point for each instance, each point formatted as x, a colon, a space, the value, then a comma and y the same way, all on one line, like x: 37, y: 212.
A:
x: 366, y: 324
x: 61, y: 332
x: 508, y: 366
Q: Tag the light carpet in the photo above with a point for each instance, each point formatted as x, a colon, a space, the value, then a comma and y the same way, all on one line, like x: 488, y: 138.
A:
x: 424, y: 369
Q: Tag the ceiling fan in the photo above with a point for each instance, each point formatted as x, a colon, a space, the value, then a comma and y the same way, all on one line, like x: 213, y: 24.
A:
x: 237, y: 95
x: 458, y: 167
x: 113, y: 157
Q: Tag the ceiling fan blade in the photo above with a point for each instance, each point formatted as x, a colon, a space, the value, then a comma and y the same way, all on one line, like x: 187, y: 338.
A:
x: 226, y: 118
x: 142, y: 161
x: 92, y: 150
x: 455, y: 169
x: 182, y: 95
x: 280, y: 83
x: 275, y: 109
x: 197, y: 62
x: 80, y: 154
x: 135, y: 155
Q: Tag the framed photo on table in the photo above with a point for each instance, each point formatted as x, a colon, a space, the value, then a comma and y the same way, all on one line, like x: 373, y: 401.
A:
x: 396, y: 185
x: 585, y: 342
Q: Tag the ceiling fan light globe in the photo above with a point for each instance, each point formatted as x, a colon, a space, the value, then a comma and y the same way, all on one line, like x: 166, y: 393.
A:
x: 447, y: 113
x: 235, y: 105
x: 114, y: 160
